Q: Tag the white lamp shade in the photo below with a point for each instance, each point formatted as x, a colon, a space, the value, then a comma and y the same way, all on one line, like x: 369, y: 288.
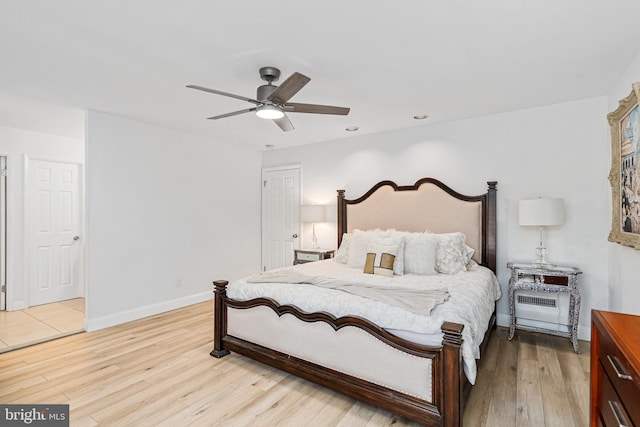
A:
x: 541, y: 212
x: 312, y: 213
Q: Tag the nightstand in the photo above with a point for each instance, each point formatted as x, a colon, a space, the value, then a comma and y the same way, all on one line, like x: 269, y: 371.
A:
x: 309, y: 255
x: 556, y: 279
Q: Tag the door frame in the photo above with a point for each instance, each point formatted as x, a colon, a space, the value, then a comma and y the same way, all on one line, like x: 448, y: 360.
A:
x: 297, y: 166
x: 27, y: 219
x: 11, y: 227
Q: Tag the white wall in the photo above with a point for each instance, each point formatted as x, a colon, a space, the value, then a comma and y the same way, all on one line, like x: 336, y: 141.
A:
x: 164, y: 206
x: 19, y: 146
x: 555, y: 151
x: 624, y: 262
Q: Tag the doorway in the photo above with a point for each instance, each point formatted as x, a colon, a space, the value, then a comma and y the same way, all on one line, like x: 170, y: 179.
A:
x: 280, y: 223
x: 53, y: 224
x: 46, y: 300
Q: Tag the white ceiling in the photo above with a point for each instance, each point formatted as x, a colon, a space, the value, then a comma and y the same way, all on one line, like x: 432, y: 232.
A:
x: 387, y: 60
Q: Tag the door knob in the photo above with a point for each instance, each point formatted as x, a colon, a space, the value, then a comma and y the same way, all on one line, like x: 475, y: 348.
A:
x: 295, y: 236
x: 76, y: 237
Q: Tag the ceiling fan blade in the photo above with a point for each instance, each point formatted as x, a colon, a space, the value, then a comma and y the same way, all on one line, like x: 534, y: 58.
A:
x: 292, y: 107
x: 219, y: 92
x: 235, y: 113
x: 288, y: 88
x: 284, y: 123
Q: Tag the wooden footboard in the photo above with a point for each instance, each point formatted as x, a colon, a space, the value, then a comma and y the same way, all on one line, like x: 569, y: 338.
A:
x: 448, y: 380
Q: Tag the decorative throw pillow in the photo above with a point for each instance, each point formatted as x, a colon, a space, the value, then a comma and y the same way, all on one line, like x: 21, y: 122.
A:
x: 420, y: 254
x: 469, y: 252
x: 342, y: 254
x: 381, y: 256
x: 451, y: 254
x: 358, y: 245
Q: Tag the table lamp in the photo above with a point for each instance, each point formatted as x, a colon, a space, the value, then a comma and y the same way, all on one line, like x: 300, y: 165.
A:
x: 312, y: 214
x: 541, y: 212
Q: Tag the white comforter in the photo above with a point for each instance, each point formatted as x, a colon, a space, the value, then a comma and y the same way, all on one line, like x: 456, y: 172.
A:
x: 472, y: 295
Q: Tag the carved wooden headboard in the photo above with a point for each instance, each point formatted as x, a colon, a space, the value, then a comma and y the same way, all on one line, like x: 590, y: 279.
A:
x: 427, y: 205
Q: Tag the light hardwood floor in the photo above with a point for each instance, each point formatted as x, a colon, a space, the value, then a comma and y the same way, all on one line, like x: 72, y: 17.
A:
x: 157, y: 371
x: 40, y: 323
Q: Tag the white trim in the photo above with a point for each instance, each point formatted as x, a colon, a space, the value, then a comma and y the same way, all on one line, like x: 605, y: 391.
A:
x: 26, y: 242
x: 85, y: 218
x: 12, y: 232
x: 113, y: 319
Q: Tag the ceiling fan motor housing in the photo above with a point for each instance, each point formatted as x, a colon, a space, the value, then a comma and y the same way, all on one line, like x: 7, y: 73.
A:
x: 264, y: 91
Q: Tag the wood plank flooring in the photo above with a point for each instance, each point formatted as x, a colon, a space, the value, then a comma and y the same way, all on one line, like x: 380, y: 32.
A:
x: 40, y: 323
x: 157, y: 372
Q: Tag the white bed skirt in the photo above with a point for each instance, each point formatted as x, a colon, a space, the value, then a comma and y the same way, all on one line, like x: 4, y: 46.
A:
x: 349, y: 350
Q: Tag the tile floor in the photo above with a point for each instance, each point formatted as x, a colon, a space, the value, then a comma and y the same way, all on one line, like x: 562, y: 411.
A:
x: 40, y: 323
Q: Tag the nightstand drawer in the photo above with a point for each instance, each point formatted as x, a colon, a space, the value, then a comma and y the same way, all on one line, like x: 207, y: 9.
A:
x: 302, y: 256
x: 305, y: 256
x: 555, y: 280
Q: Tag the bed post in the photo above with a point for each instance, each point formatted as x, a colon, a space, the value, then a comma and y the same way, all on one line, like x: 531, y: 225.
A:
x: 219, y: 318
x: 452, y: 396
x: 342, y: 216
x: 491, y: 226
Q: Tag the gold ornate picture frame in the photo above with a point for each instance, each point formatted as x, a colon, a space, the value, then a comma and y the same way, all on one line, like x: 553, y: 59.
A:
x: 625, y: 170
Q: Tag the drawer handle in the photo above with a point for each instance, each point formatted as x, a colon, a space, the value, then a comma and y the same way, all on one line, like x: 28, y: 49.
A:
x: 616, y: 367
x: 617, y: 412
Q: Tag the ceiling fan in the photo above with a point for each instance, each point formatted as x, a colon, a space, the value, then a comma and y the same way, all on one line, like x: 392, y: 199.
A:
x: 272, y: 101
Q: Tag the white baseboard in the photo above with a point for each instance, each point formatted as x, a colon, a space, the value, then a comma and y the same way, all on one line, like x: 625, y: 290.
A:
x: 91, y: 325
x: 584, y: 333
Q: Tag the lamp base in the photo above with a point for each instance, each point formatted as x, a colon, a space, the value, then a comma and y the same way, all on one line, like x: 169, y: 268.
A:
x: 541, y: 258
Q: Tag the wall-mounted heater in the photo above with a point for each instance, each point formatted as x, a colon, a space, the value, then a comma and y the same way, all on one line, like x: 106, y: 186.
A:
x: 542, y: 310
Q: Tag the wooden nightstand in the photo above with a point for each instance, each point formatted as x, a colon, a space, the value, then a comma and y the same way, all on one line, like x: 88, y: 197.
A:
x: 309, y: 255
x: 529, y: 277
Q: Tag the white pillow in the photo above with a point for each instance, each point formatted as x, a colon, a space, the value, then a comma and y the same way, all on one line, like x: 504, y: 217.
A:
x: 382, y: 255
x: 342, y: 254
x: 420, y: 254
x: 451, y: 254
x: 358, y: 249
x: 358, y: 245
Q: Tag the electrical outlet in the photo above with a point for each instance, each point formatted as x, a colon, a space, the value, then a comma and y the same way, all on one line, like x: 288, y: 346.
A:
x: 178, y: 283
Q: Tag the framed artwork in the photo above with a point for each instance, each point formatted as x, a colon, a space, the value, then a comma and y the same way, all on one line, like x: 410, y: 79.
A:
x: 625, y: 171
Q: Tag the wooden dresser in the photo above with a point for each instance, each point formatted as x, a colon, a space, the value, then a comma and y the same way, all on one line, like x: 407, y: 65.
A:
x: 615, y: 369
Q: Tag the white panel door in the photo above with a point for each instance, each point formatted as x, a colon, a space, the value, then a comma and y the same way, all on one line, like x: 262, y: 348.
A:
x: 280, y: 224
x: 3, y: 233
x: 54, y: 224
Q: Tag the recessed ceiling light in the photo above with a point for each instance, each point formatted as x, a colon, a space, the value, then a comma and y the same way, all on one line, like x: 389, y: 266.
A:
x: 352, y: 128
x: 420, y: 116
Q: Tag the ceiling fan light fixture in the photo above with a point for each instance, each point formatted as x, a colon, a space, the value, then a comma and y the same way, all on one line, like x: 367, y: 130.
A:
x: 269, y: 111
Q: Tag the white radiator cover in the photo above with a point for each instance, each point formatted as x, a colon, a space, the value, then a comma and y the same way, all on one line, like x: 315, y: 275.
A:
x: 543, y: 310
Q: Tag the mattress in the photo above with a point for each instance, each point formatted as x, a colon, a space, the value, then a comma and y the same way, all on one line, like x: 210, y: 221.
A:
x: 472, y: 296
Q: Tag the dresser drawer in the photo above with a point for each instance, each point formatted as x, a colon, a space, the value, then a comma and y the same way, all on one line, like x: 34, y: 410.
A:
x: 611, y: 410
x: 622, y: 377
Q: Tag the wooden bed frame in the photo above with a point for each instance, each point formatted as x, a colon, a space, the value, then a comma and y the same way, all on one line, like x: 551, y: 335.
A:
x: 450, y: 387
